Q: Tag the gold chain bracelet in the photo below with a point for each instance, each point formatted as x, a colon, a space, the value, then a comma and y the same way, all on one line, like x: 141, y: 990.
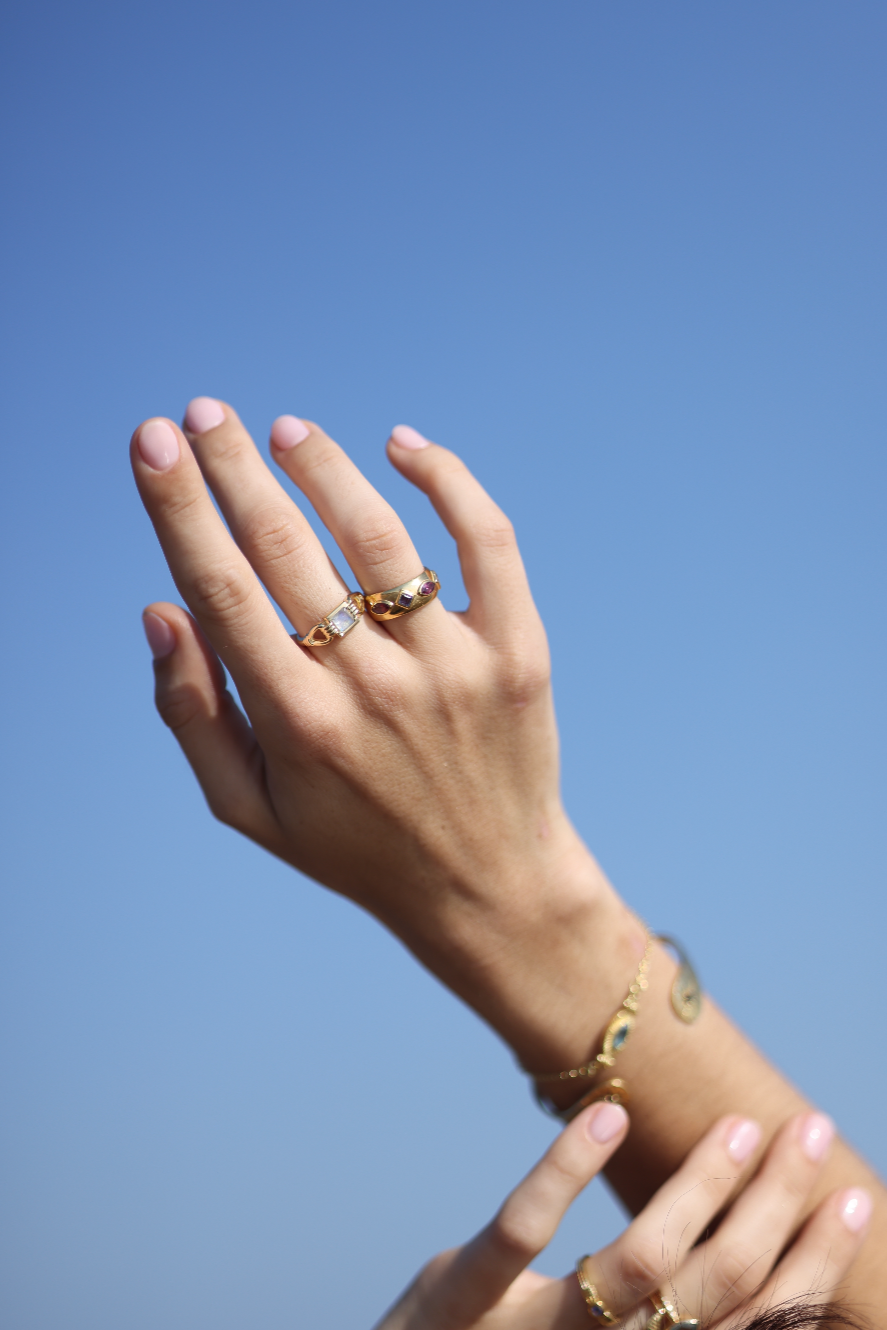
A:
x: 686, y: 1001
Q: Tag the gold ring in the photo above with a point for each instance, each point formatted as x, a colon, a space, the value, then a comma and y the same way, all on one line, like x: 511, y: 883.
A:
x: 405, y: 598
x: 337, y: 623
x: 665, y: 1312
x: 594, y: 1303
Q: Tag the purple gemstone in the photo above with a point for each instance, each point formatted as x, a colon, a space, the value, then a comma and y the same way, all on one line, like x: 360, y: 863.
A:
x: 381, y: 606
x: 405, y: 599
x: 426, y: 588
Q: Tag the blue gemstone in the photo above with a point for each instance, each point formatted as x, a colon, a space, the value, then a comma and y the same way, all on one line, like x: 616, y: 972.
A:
x: 621, y: 1035
x: 405, y: 599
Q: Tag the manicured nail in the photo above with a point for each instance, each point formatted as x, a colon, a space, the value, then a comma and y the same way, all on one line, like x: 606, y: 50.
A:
x: 287, y: 431
x: 606, y: 1122
x: 158, y: 445
x: 817, y: 1132
x: 856, y: 1210
x: 407, y: 437
x: 742, y: 1140
x: 203, y: 413
x: 161, y: 638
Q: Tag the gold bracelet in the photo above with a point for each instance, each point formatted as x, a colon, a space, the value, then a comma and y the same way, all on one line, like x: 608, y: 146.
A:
x: 686, y: 1001
x: 619, y: 1027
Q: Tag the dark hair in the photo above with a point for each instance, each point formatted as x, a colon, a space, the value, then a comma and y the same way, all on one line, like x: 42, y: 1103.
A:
x: 802, y: 1314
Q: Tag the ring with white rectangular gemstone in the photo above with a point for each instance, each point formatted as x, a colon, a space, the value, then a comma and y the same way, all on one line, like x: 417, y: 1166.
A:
x: 336, y: 624
x: 405, y: 598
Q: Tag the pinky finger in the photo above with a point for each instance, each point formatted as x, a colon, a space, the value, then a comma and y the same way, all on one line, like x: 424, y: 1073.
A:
x: 212, y: 731
x: 810, y: 1273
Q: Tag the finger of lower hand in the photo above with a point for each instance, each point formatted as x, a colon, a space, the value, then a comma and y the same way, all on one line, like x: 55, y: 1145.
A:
x: 275, y: 536
x: 212, y: 574
x: 530, y: 1216
x: 212, y: 731
x: 722, y: 1272
x: 646, y: 1254
x: 819, y: 1258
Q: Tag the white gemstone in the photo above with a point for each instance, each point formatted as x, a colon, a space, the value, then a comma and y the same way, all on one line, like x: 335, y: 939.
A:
x: 342, y: 620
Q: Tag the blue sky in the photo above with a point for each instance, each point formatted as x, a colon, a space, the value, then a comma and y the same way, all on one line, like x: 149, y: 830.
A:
x: 629, y: 261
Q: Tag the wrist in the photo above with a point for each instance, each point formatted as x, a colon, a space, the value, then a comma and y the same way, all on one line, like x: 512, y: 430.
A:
x: 546, y: 959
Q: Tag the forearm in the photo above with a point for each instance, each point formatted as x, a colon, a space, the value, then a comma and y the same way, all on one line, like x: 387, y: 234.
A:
x: 549, y: 970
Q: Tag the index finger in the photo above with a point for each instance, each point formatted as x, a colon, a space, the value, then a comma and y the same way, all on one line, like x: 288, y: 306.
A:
x: 529, y: 1218
x: 215, y: 579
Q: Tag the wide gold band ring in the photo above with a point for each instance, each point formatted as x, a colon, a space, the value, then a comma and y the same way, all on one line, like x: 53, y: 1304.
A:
x: 336, y: 624
x: 594, y: 1303
x: 666, y: 1315
x: 405, y: 598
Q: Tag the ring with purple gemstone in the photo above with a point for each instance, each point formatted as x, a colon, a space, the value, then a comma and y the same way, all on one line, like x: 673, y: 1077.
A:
x: 405, y: 598
x: 336, y: 624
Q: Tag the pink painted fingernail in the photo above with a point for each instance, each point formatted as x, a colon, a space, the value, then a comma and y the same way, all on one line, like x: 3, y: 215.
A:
x: 407, y: 437
x: 287, y: 431
x: 203, y: 414
x: 161, y: 638
x: 816, y: 1136
x: 742, y: 1140
x: 856, y: 1210
x: 158, y: 445
x: 606, y: 1122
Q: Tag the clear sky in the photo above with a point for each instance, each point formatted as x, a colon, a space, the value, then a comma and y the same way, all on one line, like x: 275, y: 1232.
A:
x: 629, y: 260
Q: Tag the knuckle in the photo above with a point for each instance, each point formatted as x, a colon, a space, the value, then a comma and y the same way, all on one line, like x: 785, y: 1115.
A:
x: 493, y: 533
x: 218, y: 593
x: 379, y: 541
x: 738, y: 1271
x: 525, y: 671
x: 641, y: 1265
x: 517, y: 1233
x: 270, y: 536
x: 177, y: 705
x: 179, y: 503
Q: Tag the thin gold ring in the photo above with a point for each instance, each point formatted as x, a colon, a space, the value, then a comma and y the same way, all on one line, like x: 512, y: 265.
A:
x: 335, y: 624
x: 594, y: 1303
x: 403, y: 599
x: 665, y: 1313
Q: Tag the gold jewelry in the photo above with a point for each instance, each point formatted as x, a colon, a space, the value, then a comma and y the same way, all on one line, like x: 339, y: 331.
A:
x: 405, y: 598
x: 665, y: 1311
x: 619, y: 1027
x: 597, y: 1309
x: 337, y: 623
x: 686, y: 1000
x: 614, y: 1091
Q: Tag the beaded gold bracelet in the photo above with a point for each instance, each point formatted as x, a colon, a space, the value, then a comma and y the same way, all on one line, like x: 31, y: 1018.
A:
x: 686, y: 1001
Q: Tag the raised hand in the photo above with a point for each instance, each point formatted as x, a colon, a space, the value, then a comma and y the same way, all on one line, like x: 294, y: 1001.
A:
x: 723, y: 1282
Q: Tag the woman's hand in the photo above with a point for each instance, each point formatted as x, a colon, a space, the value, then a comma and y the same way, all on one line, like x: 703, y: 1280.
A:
x: 733, y: 1278
x: 410, y: 765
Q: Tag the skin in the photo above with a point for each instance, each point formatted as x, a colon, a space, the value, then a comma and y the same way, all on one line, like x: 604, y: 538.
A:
x: 721, y: 1279
x: 435, y: 732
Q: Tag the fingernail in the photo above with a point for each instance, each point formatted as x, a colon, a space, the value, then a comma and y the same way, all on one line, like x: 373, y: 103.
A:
x: 407, y: 437
x: 161, y: 638
x: 856, y: 1210
x: 606, y: 1122
x: 816, y: 1136
x: 287, y: 431
x: 203, y: 413
x: 158, y: 445
x: 742, y: 1140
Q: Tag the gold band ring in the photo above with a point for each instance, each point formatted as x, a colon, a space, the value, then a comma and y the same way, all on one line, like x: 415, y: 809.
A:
x: 594, y: 1303
x: 405, y: 598
x: 665, y: 1314
x: 336, y: 624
